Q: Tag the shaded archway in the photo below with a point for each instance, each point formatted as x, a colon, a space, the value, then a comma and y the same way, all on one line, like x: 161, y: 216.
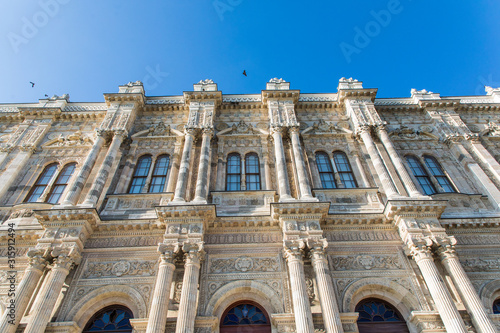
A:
x: 377, y: 316
x: 114, y: 319
x: 245, y: 316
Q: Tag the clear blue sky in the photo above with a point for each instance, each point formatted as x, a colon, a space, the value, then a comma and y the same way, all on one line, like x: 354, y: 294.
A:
x: 87, y: 48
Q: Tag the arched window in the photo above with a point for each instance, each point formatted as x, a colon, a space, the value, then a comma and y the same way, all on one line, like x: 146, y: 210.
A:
x: 111, y: 319
x: 41, y: 183
x: 421, y: 175
x: 252, y: 172
x: 140, y: 174
x: 344, y: 170
x: 245, y: 317
x: 325, y: 170
x: 233, y: 175
x: 378, y: 316
x: 61, y: 183
x: 496, y: 306
x: 159, y: 177
x: 438, y: 173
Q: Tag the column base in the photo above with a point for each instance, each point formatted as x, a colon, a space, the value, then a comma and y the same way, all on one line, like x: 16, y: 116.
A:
x: 199, y: 201
x: 176, y: 201
x: 308, y: 198
x: 87, y: 204
x: 286, y: 198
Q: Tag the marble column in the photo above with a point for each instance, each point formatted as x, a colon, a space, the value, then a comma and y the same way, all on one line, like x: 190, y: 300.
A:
x: 383, y: 174
x: 283, y: 185
x: 43, y: 310
x: 16, y: 165
x: 300, y: 299
x: 485, y: 156
x: 182, y: 179
x: 103, y: 174
x: 174, y: 169
x: 466, y: 290
x: 203, y: 177
x: 326, y: 292
x: 161, y: 296
x: 76, y: 188
x: 398, y: 163
x: 4, y: 152
x: 444, y: 303
x: 267, y: 172
x: 24, y: 291
x: 361, y: 169
x: 194, y: 253
x: 304, y: 185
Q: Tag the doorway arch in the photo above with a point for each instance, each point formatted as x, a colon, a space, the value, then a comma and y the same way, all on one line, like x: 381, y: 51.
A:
x: 114, y: 318
x: 245, y: 316
x: 378, y: 316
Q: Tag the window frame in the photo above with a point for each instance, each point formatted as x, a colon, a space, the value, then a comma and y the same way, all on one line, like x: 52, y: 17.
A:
x: 442, y: 176
x: 237, y: 157
x: 423, y: 176
x: 51, y: 183
x: 64, y: 185
x: 342, y: 173
x: 155, y: 176
x: 141, y: 177
x: 257, y: 174
x: 329, y: 165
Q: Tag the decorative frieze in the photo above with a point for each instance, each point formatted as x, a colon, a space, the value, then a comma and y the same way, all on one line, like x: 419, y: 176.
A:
x: 243, y: 264
x: 481, y: 264
x: 119, y: 268
x: 365, y: 262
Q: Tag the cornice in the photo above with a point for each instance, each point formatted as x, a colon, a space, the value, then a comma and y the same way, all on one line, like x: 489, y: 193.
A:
x: 198, y: 96
x: 415, y: 208
x: 124, y: 97
x: 280, y: 94
x: 40, y: 111
x: 356, y: 93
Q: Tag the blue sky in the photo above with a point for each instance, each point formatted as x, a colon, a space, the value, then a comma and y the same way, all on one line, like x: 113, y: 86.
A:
x: 87, y: 48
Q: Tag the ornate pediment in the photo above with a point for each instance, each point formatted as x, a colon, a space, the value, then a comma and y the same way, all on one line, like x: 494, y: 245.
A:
x: 76, y: 139
x: 241, y: 128
x: 158, y: 130
x: 323, y: 127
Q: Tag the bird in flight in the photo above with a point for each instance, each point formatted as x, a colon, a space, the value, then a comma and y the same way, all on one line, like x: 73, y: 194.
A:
x: 245, y: 72
x: 32, y: 84
x: 46, y: 95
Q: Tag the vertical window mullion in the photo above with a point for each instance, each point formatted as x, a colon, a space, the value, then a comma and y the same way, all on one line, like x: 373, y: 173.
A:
x: 41, y: 183
x: 421, y: 175
x: 60, y: 184
x: 437, y: 171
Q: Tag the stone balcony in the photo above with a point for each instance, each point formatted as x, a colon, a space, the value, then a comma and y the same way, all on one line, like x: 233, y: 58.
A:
x: 350, y: 200
x: 134, y: 206
x: 242, y: 203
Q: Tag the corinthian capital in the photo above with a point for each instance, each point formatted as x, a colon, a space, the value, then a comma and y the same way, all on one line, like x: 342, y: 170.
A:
x: 193, y: 252
x: 168, y: 251
x: 294, y: 249
x: 317, y: 248
x: 294, y: 129
x: 122, y: 134
x: 277, y: 130
x: 445, y: 246
x: 420, y: 248
x: 208, y: 131
x: 66, y: 257
x: 37, y: 258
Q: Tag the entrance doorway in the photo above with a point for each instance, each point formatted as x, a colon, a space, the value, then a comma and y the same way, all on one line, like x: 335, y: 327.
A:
x: 245, y: 316
x: 377, y: 316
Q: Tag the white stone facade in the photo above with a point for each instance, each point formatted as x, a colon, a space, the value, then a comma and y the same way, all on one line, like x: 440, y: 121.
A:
x: 304, y: 205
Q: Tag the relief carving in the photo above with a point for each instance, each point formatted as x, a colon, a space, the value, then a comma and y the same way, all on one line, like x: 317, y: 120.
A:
x: 481, y: 265
x: 244, y: 264
x: 366, y: 262
x: 120, y: 268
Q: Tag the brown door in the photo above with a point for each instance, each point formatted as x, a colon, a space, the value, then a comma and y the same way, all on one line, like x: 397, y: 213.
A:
x: 245, y: 317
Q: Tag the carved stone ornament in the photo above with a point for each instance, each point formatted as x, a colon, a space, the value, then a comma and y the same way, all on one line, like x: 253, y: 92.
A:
x: 72, y: 140
x: 244, y: 264
x: 120, y: 268
x: 160, y: 130
x: 366, y: 262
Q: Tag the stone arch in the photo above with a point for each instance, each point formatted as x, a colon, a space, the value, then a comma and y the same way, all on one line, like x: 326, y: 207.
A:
x: 394, y: 293
x: 85, y: 308
x: 244, y: 290
x: 489, y: 293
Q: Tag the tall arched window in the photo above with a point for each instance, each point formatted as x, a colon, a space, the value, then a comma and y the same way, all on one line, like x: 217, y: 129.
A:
x: 325, y: 170
x: 111, y: 319
x: 378, y: 316
x: 140, y: 174
x: 496, y: 306
x: 439, y: 174
x: 233, y: 175
x: 245, y: 317
x: 41, y: 183
x: 61, y: 183
x: 421, y: 175
x: 344, y: 169
x: 252, y: 172
x: 159, y: 177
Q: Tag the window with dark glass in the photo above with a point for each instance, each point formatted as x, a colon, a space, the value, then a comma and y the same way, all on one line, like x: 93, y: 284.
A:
x: 111, y: 319
x: 233, y: 175
x: 245, y: 314
x: 421, y: 175
x: 325, y: 170
x: 140, y: 174
x: 496, y: 306
x: 61, y: 183
x: 252, y: 172
x: 159, y: 177
x: 344, y: 170
x: 41, y: 183
x: 438, y: 173
x: 378, y: 316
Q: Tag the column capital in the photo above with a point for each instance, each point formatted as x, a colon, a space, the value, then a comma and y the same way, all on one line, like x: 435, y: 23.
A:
x: 317, y: 249
x: 122, y: 134
x: 294, y: 129
x: 168, y: 252
x: 208, y: 131
x: 363, y: 129
x: 446, y: 247
x: 190, y: 131
x: 37, y: 258
x: 277, y: 130
x: 194, y: 253
x: 66, y: 257
x: 294, y: 249
x: 420, y: 248
x: 381, y: 127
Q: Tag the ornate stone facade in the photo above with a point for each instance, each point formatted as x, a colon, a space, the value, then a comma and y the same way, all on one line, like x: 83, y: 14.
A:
x: 181, y: 208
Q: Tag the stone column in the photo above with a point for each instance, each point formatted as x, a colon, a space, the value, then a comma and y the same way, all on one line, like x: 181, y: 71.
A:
x: 398, y: 162
x: 283, y: 185
x: 326, y: 293
x: 300, y: 299
x: 174, y: 169
x: 304, y: 186
x: 267, y: 172
x: 465, y: 288
x: 24, y: 291
x: 4, y: 152
x: 60, y: 270
x: 76, y: 188
x: 182, y: 179
x: 444, y: 303
x: 385, y: 178
x: 203, y: 177
x: 194, y: 253
x: 159, y: 307
x: 361, y: 170
x: 485, y: 156
x: 15, y: 166
x: 103, y: 174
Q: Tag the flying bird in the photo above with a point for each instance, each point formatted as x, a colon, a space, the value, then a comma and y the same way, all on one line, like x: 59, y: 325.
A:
x: 245, y: 72
x: 32, y: 84
x: 46, y: 95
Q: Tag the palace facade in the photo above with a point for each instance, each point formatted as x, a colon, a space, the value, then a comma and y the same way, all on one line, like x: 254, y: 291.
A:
x: 274, y: 212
